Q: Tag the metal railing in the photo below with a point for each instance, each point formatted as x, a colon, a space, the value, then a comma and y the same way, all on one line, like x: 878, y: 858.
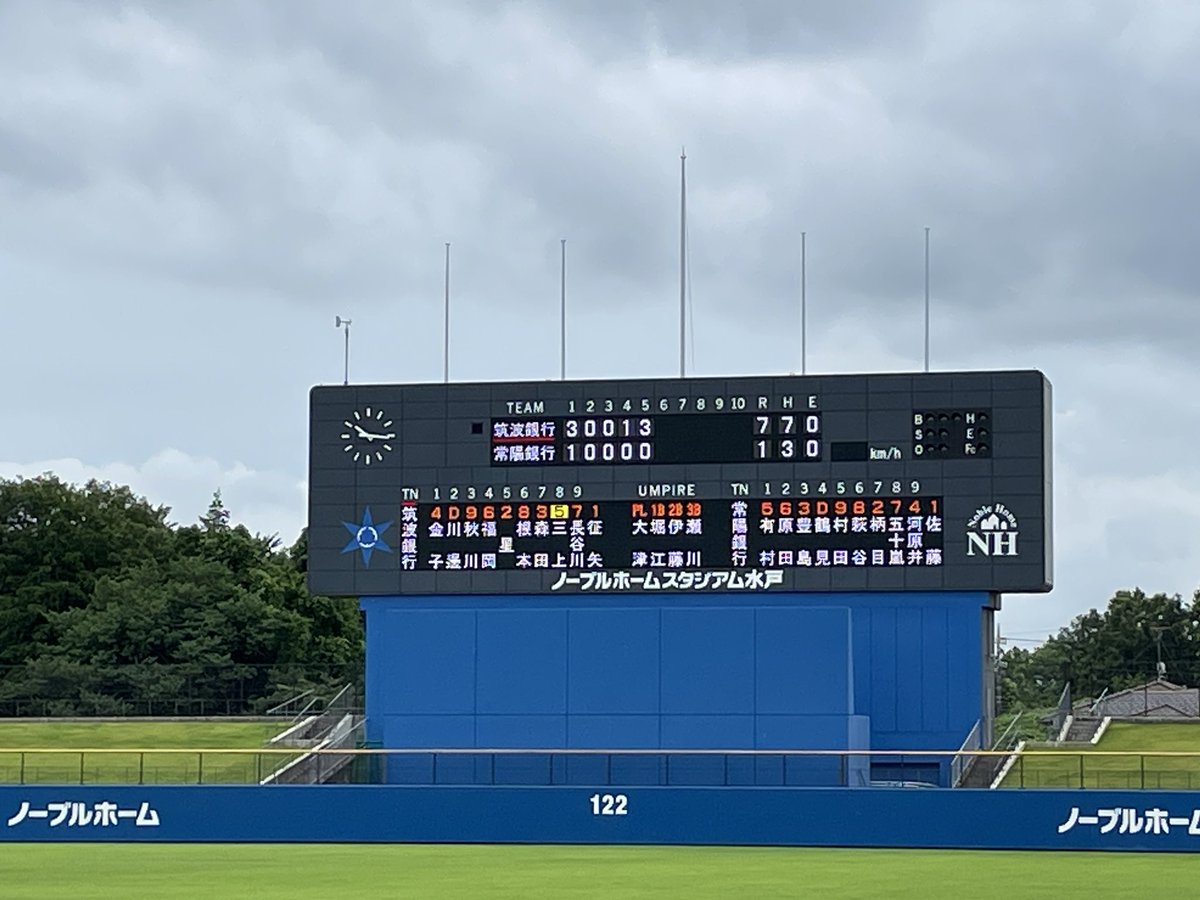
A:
x: 980, y: 768
x: 293, y: 706
x: 1105, y: 769
x: 1059, y: 720
x: 1011, y: 735
x: 322, y: 763
x: 963, y: 761
x: 1032, y: 769
x: 344, y: 703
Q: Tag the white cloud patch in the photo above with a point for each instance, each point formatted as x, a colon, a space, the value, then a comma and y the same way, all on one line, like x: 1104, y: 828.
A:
x: 269, y: 503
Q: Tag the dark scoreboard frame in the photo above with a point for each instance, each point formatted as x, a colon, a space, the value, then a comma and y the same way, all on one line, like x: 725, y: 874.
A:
x: 884, y: 482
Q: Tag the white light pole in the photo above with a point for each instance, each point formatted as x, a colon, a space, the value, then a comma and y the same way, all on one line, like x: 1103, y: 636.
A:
x: 803, y: 302
x: 446, y: 327
x: 339, y: 322
x: 926, y: 298
x: 562, y: 321
x: 682, y: 261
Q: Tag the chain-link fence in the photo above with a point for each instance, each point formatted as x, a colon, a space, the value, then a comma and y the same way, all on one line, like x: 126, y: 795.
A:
x: 340, y: 761
x: 46, y: 690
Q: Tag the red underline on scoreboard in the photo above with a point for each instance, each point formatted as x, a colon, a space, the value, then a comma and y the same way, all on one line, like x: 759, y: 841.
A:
x: 509, y: 439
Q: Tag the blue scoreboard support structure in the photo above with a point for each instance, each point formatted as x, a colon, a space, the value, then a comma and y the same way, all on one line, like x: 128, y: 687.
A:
x: 644, y: 574
x: 817, y: 671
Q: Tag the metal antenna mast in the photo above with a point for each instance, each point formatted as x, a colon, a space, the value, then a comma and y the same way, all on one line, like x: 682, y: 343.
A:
x: 339, y: 322
x: 682, y: 263
x: 446, y: 327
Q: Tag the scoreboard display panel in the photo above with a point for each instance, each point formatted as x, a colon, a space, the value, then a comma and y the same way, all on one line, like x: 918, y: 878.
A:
x: 799, y: 483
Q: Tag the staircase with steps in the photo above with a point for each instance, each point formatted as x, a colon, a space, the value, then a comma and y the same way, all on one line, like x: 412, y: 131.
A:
x: 1082, y: 730
x: 983, y: 772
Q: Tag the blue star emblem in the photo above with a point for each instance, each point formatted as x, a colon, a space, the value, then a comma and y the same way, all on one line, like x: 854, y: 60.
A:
x: 367, y: 537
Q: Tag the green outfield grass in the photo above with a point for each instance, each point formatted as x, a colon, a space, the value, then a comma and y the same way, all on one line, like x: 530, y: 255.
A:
x: 265, y: 872
x: 68, y: 766
x: 1061, y: 767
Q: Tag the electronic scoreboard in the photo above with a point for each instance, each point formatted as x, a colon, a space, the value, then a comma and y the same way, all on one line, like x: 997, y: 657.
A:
x: 799, y: 483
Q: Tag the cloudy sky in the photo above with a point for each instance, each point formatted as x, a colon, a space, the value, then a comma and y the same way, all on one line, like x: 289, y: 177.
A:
x: 192, y: 192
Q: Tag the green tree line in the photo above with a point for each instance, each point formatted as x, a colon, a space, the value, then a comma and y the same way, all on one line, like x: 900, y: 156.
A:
x: 1115, y: 649
x: 108, y: 608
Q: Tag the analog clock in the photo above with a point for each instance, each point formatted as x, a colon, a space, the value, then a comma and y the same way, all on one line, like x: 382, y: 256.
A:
x: 367, y: 436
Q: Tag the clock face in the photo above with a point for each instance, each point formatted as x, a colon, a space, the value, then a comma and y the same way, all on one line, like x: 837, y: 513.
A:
x: 367, y: 435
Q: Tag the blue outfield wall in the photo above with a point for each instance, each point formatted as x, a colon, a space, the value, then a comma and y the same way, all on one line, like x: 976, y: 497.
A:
x: 845, y: 817
x: 786, y: 671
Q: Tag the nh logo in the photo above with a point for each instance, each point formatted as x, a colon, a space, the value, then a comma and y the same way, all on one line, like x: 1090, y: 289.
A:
x: 992, y: 531
x: 992, y: 543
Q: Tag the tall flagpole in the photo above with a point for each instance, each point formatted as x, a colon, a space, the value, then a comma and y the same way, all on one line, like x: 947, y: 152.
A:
x: 340, y: 322
x: 682, y: 261
x: 803, y: 302
x: 446, y: 327
x: 562, y: 339
x: 926, y: 298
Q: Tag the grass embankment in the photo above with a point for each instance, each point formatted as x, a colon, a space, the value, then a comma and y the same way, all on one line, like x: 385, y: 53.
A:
x: 1090, y: 766
x: 68, y: 764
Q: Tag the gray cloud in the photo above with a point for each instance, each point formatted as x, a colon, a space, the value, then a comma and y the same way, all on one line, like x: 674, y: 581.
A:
x: 192, y: 191
x: 355, y: 151
x: 713, y: 31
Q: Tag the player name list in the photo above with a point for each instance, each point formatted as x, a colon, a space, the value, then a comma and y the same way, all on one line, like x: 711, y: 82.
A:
x: 879, y: 532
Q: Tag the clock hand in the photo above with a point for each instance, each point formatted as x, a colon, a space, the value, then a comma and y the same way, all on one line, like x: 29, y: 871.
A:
x: 372, y: 436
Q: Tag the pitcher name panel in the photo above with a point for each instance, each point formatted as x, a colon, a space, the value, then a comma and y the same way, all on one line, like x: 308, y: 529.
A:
x: 855, y: 482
